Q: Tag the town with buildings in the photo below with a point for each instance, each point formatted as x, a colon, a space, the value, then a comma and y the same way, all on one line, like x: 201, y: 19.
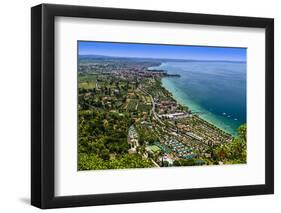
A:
x: 127, y: 119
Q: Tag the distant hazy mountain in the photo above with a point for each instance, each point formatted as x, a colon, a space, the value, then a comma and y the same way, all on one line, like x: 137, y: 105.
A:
x: 114, y: 58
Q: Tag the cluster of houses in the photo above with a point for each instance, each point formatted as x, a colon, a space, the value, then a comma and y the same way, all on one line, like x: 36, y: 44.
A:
x: 170, y: 149
x: 125, y: 71
x: 180, y: 149
x: 164, y: 107
x: 169, y: 110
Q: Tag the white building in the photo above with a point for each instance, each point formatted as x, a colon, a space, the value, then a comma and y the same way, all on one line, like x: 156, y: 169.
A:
x: 133, y: 139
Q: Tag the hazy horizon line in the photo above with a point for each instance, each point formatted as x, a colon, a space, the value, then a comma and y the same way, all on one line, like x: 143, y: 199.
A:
x: 184, y: 59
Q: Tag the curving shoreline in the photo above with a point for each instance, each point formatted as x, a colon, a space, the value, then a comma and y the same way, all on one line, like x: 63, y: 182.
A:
x: 220, y: 121
x: 196, y: 108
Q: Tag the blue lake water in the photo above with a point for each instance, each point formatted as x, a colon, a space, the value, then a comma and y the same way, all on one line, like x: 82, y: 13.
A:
x: 214, y: 90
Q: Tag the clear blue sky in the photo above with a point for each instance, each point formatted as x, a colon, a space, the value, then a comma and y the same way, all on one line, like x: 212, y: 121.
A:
x: 161, y: 51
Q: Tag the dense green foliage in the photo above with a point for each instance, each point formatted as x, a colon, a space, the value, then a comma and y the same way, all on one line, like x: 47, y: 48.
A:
x: 234, y: 152
x: 103, y: 141
x: 90, y: 162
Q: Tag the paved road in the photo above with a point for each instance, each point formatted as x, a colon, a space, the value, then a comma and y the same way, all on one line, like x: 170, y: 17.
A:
x: 153, y: 108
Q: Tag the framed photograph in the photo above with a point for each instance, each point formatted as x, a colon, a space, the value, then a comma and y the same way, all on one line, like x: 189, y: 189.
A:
x: 139, y: 106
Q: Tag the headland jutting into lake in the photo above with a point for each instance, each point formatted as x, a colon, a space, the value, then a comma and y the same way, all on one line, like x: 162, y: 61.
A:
x: 128, y: 119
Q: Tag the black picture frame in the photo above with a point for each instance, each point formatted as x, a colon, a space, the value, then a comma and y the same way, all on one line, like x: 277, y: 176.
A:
x: 43, y: 102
